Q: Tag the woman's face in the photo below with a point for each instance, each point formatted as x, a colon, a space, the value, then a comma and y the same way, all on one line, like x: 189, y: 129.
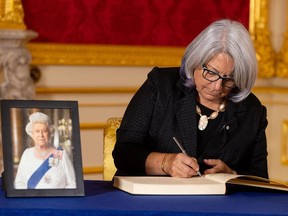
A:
x: 40, y: 134
x: 214, y: 92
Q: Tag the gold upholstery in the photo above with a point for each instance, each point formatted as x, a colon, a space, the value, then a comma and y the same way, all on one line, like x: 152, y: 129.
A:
x: 109, y: 168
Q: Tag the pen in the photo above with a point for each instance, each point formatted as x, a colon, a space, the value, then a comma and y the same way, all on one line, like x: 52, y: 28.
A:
x: 183, y: 150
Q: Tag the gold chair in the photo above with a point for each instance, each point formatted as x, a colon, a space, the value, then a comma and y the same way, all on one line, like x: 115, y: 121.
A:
x: 109, y: 168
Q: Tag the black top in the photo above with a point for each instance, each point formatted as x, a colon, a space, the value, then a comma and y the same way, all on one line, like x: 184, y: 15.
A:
x: 163, y: 107
x: 204, y: 136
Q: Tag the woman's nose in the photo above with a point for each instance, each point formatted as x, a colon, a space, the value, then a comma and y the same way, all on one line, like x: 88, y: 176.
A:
x: 218, y: 84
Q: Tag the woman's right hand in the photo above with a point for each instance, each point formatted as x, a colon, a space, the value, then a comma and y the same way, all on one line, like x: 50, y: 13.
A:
x: 179, y: 165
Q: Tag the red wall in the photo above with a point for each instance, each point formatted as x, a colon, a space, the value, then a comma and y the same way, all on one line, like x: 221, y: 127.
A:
x: 127, y: 22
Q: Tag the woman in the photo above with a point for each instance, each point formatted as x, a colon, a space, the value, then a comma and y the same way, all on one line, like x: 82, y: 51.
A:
x: 206, y: 104
x: 43, y: 166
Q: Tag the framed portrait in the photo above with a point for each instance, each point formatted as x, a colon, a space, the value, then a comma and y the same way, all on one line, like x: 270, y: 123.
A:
x: 41, y: 148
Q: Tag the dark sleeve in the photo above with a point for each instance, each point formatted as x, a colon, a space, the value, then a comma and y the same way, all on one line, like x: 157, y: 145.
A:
x: 259, y: 153
x: 132, y: 143
x: 256, y: 155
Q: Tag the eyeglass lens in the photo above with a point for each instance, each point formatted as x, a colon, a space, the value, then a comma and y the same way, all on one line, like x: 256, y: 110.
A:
x: 213, y: 76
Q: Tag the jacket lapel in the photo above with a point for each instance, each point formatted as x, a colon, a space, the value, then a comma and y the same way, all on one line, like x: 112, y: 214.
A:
x: 186, y: 120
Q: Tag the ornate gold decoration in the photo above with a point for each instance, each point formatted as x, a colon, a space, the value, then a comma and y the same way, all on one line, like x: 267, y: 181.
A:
x: 109, y: 143
x: 282, y: 56
x: 60, y: 54
x: 11, y: 15
x: 259, y: 30
x: 113, y: 125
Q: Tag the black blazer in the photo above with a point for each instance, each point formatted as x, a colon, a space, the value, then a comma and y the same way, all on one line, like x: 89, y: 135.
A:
x: 163, y: 107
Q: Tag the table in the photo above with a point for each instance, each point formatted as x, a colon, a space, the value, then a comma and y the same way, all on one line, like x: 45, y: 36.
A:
x: 102, y: 199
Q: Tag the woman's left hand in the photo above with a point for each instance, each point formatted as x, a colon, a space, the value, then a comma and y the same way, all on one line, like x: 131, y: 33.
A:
x: 218, y: 166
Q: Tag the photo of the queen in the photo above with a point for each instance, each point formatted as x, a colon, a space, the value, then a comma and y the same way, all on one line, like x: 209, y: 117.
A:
x: 44, y: 165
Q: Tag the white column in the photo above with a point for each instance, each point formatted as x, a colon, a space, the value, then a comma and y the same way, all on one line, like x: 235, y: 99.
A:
x: 15, y: 65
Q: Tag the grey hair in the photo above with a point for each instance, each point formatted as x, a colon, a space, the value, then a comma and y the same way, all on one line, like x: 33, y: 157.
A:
x: 39, y: 117
x: 223, y: 36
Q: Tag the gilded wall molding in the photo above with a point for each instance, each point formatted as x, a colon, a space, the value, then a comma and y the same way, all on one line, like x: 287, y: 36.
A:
x: 87, y: 90
x: 92, y: 170
x: 284, y: 149
x: 270, y: 90
x: 132, y: 90
x: 112, y: 55
x: 92, y: 126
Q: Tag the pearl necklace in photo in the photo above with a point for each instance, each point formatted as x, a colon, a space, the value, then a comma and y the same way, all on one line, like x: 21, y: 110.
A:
x: 203, y: 121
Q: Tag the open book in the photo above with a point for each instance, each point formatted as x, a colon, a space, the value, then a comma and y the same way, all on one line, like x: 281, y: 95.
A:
x: 200, y: 185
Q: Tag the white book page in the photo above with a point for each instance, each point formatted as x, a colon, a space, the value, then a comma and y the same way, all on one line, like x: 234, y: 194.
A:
x: 221, y: 177
x: 171, y: 180
x: 196, y: 180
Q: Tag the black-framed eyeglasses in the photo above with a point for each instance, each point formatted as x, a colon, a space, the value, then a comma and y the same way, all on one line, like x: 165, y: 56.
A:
x: 213, y: 76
